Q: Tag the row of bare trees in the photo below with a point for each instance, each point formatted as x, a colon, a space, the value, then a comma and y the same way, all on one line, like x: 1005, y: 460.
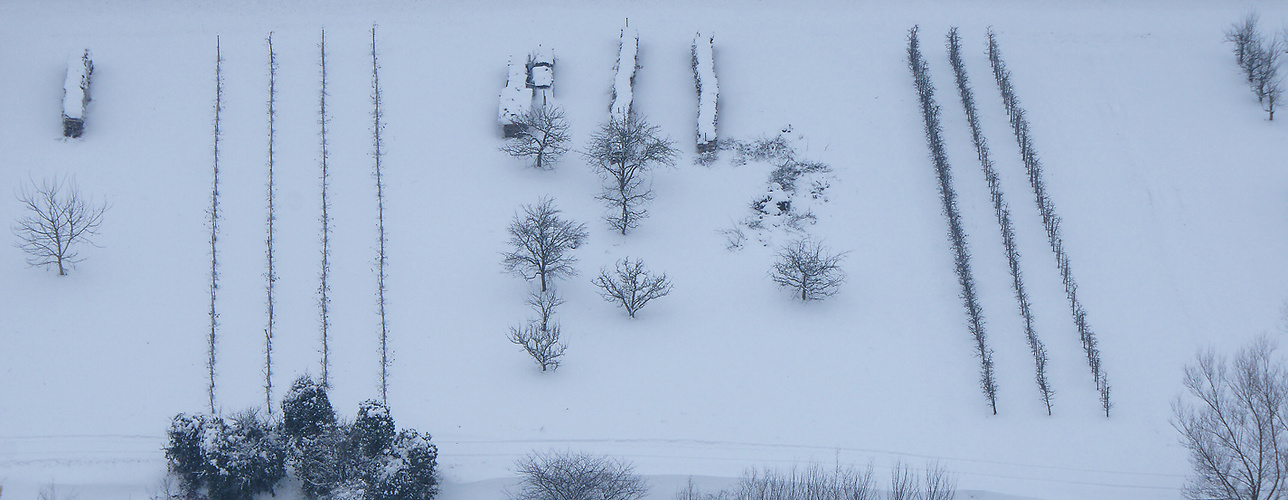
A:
x: 1260, y: 57
x: 956, y: 233
x: 1003, y: 213
x: 1051, y: 221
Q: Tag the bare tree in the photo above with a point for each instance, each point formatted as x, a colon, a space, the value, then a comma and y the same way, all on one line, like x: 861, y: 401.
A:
x: 631, y: 285
x: 1269, y: 85
x: 807, y: 267
x: 541, y: 241
x: 1236, y: 432
x: 59, y: 219
x: 270, y: 276
x: 939, y: 484
x: 1243, y: 35
x: 623, y: 151
x: 324, y: 282
x: 576, y: 476
x: 903, y: 483
x: 382, y: 260
x: 540, y: 337
x: 544, y: 138
x: 541, y: 343
x: 213, y: 213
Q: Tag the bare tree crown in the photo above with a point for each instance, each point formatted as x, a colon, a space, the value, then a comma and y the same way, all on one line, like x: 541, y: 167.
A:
x: 1233, y: 424
x: 809, y: 268
x: 577, y: 476
x: 631, y: 285
x: 544, y: 137
x: 623, y: 151
x: 58, y: 220
x: 540, y: 337
x: 541, y: 241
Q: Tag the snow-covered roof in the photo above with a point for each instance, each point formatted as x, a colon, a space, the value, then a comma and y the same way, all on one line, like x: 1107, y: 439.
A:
x: 625, y: 73
x: 516, y: 97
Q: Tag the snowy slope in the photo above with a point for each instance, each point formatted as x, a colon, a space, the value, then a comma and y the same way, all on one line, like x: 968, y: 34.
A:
x: 1158, y: 159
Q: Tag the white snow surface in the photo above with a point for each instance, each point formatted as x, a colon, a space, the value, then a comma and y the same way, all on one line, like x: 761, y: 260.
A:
x: 1166, y: 174
x: 709, y: 88
x: 628, y: 49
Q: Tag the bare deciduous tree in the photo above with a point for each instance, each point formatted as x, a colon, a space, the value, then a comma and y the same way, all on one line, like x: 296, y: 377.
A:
x: 541, y: 241
x: 807, y: 267
x: 1243, y: 34
x: 1235, y: 431
x: 544, y: 138
x: 631, y: 285
x: 59, y: 219
x: 577, y: 476
x: 540, y: 337
x: 623, y: 151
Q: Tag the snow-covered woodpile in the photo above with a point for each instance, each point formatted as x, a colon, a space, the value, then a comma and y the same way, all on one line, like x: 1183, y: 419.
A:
x: 516, y: 99
x: 76, y: 94
x: 626, y: 66
x: 704, y: 74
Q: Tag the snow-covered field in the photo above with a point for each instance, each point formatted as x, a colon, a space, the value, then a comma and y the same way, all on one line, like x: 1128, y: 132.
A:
x: 1168, y: 177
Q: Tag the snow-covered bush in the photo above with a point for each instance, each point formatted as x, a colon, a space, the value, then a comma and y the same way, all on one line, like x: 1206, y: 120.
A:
x: 76, y: 94
x: 373, y: 431
x: 631, y: 285
x: 627, y: 50
x: 306, y: 411
x: 235, y: 459
x: 225, y: 459
x: 409, y: 470
x: 516, y: 99
x: 795, y: 186
x: 569, y: 475
x: 704, y: 76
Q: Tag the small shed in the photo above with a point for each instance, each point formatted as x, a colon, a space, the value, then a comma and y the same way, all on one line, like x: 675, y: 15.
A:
x: 76, y: 94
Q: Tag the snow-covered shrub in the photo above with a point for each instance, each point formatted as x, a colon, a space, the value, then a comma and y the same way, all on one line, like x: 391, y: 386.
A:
x: 76, y: 94
x: 786, y: 204
x: 225, y: 459
x: 409, y: 471
x: 569, y: 475
x: 704, y: 76
x: 183, y: 454
x: 373, y: 431
x: 306, y: 411
x: 246, y: 457
x: 627, y: 50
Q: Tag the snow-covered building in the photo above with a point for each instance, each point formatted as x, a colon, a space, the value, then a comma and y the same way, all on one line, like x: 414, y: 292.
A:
x: 626, y: 66
x: 516, y: 100
x: 704, y: 74
x: 76, y: 94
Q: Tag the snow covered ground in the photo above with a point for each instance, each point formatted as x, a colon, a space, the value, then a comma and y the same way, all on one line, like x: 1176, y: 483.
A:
x: 1167, y: 176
